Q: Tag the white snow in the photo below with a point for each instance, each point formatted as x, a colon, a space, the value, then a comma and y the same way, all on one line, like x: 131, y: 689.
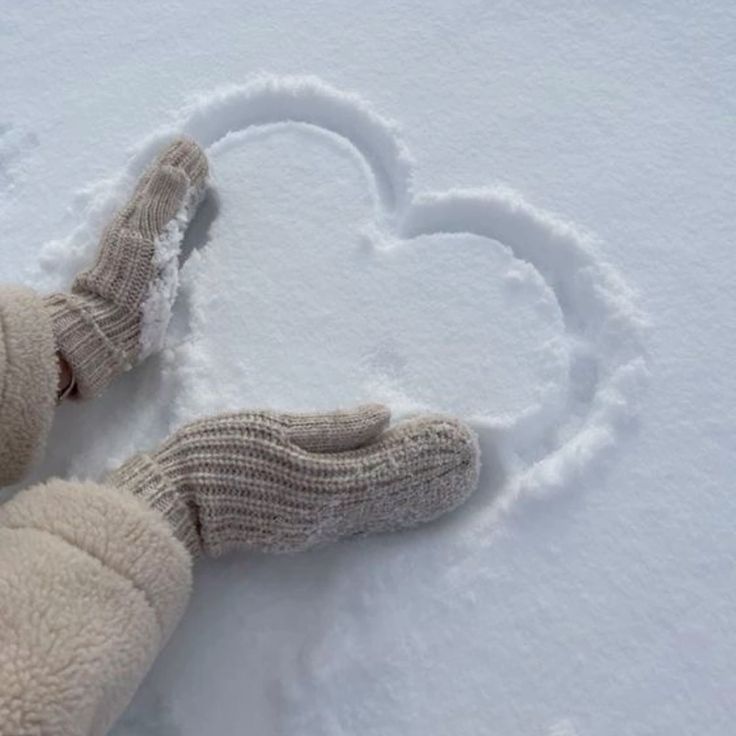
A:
x: 156, y: 307
x: 588, y: 588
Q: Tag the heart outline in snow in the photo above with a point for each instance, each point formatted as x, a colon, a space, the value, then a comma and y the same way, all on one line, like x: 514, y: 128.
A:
x: 546, y: 446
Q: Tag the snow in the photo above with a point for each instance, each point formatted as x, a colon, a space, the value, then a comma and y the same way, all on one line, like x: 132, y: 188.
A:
x: 522, y: 216
x: 159, y: 301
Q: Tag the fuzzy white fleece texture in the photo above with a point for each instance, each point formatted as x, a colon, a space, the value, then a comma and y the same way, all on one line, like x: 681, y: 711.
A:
x: 28, y: 380
x: 92, y: 582
x: 156, y: 308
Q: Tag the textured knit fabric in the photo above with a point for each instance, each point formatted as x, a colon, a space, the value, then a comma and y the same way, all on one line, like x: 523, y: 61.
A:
x: 28, y: 380
x: 283, y: 483
x: 101, y: 325
x: 92, y: 582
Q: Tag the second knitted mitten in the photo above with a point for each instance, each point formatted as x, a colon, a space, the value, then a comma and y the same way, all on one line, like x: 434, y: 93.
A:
x: 117, y: 311
x: 283, y: 482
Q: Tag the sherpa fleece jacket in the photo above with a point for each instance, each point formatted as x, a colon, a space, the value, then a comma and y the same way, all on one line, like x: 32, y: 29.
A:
x: 28, y: 380
x: 92, y: 582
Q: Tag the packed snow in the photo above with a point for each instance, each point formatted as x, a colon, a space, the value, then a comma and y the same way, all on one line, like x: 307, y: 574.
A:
x: 158, y: 304
x: 521, y: 216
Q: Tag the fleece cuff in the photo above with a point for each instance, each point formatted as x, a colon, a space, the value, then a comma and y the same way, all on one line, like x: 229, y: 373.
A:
x: 29, y: 376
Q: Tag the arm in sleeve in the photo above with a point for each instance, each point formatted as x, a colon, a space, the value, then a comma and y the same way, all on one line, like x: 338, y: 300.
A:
x: 28, y: 380
x: 92, y: 583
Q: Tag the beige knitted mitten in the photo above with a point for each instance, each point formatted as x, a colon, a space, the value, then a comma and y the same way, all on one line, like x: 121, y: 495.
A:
x: 117, y: 311
x: 280, y: 482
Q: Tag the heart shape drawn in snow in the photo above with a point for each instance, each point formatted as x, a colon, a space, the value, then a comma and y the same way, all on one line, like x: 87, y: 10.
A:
x: 572, y: 421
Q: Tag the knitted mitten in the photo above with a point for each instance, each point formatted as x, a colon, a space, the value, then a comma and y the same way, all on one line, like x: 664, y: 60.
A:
x: 117, y: 311
x: 280, y: 482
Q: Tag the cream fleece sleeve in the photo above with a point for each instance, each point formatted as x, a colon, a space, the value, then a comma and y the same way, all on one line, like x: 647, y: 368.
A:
x: 92, y: 582
x: 28, y: 380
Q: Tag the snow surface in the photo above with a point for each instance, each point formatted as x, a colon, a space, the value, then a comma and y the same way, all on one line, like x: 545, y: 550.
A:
x: 588, y: 588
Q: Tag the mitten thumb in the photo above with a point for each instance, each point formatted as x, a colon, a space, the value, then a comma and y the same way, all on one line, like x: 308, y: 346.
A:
x: 339, y: 430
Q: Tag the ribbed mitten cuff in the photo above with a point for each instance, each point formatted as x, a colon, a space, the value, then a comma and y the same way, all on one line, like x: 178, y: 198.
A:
x: 95, y: 337
x: 144, y: 476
